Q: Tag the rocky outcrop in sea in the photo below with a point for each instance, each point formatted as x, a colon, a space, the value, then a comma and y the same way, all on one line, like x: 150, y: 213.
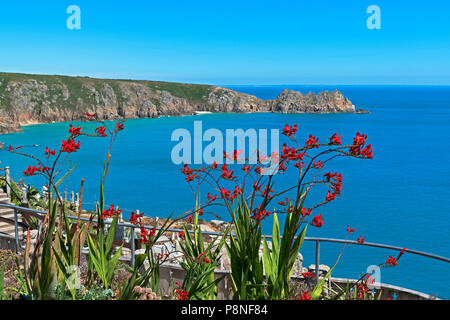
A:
x: 30, y: 99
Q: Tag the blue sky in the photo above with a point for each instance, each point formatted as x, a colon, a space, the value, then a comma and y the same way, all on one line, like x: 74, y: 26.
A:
x: 231, y: 42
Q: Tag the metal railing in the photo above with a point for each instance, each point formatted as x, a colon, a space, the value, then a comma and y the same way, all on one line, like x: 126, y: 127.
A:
x: 37, y: 213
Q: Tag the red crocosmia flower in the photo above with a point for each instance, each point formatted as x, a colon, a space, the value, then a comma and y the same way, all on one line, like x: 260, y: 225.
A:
x: 330, y: 196
x: 317, y: 221
x: 134, y: 217
x: 236, y: 155
x: 15, y: 149
x: 119, y: 126
x: 189, y: 178
x: 361, y: 240
x: 237, y: 191
x: 289, y: 131
x: 284, y: 203
x: 246, y: 168
x: 181, y: 234
x: 318, y: 165
x: 180, y: 293
x: 299, y: 165
x: 145, y: 238
x: 109, y: 213
x: 282, y: 168
x: 190, y: 218
x: 70, y: 146
x: 391, y: 261
x: 10, y: 148
x: 186, y: 170
x: 43, y: 169
x: 335, y: 139
x: 305, y: 296
x: 305, y: 212
x: 358, y: 142
x: 74, y: 131
x: 226, y: 194
x: 256, y: 187
x: 101, y: 131
x: 214, y: 166
x: 31, y: 171
x: 308, y: 275
x: 49, y: 152
x: 89, y: 115
x: 367, y: 152
x: 211, y: 198
x: 350, y: 230
x: 312, y: 141
x: 266, y: 191
x: 403, y: 251
x: 259, y: 214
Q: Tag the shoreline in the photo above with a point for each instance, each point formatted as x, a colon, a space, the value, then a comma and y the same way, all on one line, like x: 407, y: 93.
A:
x: 197, y: 113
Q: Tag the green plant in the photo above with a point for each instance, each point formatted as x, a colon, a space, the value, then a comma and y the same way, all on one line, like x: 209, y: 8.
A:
x: 200, y: 282
x: 247, y: 275
x: 279, y: 264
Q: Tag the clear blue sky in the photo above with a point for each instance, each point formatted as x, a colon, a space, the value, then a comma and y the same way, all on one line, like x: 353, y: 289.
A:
x: 231, y: 42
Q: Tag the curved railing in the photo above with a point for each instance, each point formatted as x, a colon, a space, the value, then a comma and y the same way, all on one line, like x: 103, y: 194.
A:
x: 40, y: 215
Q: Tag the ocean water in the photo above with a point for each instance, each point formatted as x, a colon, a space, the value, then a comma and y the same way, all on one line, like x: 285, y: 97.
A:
x: 400, y: 198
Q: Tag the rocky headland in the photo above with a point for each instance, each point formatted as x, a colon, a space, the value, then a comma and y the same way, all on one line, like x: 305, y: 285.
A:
x: 31, y: 99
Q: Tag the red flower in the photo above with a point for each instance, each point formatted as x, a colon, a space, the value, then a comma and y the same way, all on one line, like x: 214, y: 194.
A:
x: 258, y: 214
x: 350, y: 230
x: 180, y: 293
x: 211, y: 198
x: 305, y: 212
x: 134, y: 217
x: 30, y: 171
x: 308, y: 275
x: 186, y: 170
x: 119, y: 126
x: 335, y: 139
x: 289, y: 131
x: 190, y: 218
x: 330, y: 196
x: 70, y: 146
x: 318, y: 165
x: 226, y: 194
x: 391, y: 261
x: 361, y: 240
x: 181, y: 234
x: 87, y: 114
x: 74, y: 131
x: 312, y: 141
x: 101, y: 131
x: 317, y: 221
x: 15, y: 149
x: 246, y: 168
x: 305, y: 296
x: 214, y: 165
x: 49, y: 153
x: 358, y: 142
x: 109, y: 213
x: 367, y: 152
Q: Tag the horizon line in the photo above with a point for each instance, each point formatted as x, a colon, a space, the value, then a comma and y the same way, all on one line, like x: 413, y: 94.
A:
x: 235, y: 84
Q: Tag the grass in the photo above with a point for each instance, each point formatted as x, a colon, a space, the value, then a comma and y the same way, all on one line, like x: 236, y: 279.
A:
x: 193, y: 93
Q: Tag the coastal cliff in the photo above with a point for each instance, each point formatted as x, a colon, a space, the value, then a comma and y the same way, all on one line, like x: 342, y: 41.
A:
x: 30, y: 99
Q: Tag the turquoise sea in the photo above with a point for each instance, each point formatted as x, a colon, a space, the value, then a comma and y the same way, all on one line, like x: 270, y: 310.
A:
x: 401, y: 197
